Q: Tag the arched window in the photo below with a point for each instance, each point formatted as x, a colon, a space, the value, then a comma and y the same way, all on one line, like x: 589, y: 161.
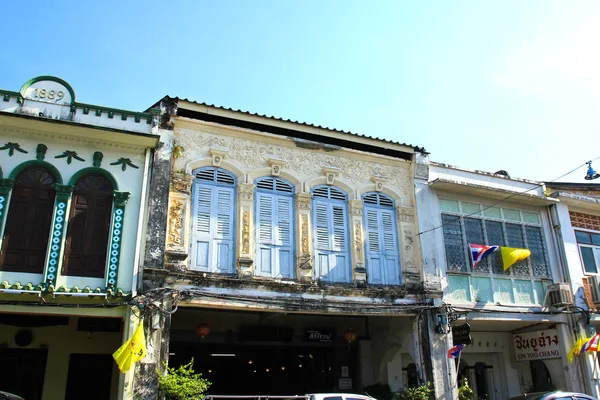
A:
x: 330, y: 216
x: 213, y: 221
x: 29, y: 220
x: 88, y: 228
x: 381, y: 240
x: 274, y: 228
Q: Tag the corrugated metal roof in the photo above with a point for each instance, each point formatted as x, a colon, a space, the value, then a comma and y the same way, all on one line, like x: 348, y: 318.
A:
x: 416, y: 148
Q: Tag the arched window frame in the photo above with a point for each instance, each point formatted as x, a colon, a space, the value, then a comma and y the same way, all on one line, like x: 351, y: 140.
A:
x: 208, y: 246
x: 114, y: 226
x: 327, y: 258
x: 274, y: 207
x: 6, y: 190
x: 382, y: 250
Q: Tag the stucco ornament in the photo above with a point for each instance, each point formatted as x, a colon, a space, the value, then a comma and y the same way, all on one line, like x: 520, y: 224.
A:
x: 175, y: 224
x: 246, y: 191
x: 253, y: 154
x: 304, y: 240
x: 182, y: 183
x: 358, y: 240
x: 356, y: 207
x: 246, y: 232
x: 303, y: 201
x: 217, y: 154
x: 406, y: 214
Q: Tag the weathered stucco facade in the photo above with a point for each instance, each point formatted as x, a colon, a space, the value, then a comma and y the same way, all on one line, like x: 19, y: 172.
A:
x: 396, y: 328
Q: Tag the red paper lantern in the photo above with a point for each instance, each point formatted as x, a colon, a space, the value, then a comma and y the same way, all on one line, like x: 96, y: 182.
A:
x: 203, y: 330
x: 349, y: 336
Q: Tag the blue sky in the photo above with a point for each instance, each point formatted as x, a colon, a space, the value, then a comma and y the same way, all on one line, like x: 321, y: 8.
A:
x: 511, y: 85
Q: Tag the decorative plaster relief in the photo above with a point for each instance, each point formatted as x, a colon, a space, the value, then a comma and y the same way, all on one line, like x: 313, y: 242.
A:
x: 409, y: 256
x: 253, y: 154
x: 356, y: 207
x: 246, y: 191
x: 406, y: 214
x: 330, y: 174
x: 379, y: 181
x: 217, y: 155
x: 246, y: 232
x: 175, y: 233
x: 359, y: 244
x: 11, y: 147
x: 303, y: 201
x: 422, y: 165
x: 304, y: 236
x: 277, y: 165
x: 181, y: 183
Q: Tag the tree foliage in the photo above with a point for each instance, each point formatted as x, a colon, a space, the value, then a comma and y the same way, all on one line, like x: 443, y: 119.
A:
x: 182, y: 383
x: 423, y: 392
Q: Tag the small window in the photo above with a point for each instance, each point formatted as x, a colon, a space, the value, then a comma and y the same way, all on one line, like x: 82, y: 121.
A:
x: 583, y: 237
x: 274, y: 185
x: 215, y: 175
x: 328, y: 192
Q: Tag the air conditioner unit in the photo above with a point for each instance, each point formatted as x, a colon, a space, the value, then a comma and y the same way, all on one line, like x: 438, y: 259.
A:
x: 559, y: 295
x: 593, y: 281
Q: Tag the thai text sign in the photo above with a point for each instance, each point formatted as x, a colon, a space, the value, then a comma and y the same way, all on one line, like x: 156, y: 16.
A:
x: 536, y: 345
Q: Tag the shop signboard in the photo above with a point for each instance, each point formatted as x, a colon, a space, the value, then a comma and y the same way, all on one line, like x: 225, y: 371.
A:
x: 536, y: 345
x: 461, y: 334
x: 319, y: 335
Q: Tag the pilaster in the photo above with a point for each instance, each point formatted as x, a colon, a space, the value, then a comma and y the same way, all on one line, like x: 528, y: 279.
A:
x: 59, y: 222
x: 177, y: 245
x: 359, y: 272
x: 6, y: 186
x: 245, y: 244
x: 304, y: 269
x: 116, y: 235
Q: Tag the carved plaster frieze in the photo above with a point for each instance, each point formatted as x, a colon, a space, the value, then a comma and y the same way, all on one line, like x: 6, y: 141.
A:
x: 181, y: 183
x: 408, y: 239
x: 175, y: 231
x: 406, y: 214
x: 252, y: 154
x: 246, y: 191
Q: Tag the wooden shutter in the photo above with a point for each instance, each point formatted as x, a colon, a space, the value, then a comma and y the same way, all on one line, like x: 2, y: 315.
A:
x: 28, y: 223
x: 213, y: 228
x: 381, y: 246
x: 331, y: 249
x: 88, y: 229
x: 284, y: 250
x: 265, y: 233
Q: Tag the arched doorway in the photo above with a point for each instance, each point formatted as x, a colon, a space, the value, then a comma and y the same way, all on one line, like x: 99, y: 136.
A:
x: 540, y: 376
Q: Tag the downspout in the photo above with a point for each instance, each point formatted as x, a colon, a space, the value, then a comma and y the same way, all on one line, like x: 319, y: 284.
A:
x: 141, y: 217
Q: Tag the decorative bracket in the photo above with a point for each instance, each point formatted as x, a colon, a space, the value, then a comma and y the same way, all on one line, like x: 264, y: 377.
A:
x: 379, y: 181
x: 277, y: 165
x: 217, y: 154
x: 330, y: 174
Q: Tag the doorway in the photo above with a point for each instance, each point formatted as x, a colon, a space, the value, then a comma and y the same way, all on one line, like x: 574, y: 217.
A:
x: 89, y: 376
x: 483, y: 374
x: 22, y: 372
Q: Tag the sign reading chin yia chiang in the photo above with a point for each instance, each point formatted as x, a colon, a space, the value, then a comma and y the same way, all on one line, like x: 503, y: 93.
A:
x: 536, y: 345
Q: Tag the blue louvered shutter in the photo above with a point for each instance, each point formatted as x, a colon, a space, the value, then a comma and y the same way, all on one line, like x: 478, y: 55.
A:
x: 264, y: 233
x: 212, y: 248
x: 274, y: 236
x: 332, y: 260
x: 283, y: 234
x: 381, y: 245
x: 223, y: 235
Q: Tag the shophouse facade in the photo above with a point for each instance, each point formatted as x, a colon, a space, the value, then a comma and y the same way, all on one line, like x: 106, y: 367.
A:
x: 291, y: 252
x: 73, y: 183
x: 577, y: 221
x: 521, y: 320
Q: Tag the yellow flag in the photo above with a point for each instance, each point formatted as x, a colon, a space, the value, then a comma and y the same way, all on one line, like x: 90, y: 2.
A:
x: 575, y: 349
x: 510, y: 255
x: 132, y: 350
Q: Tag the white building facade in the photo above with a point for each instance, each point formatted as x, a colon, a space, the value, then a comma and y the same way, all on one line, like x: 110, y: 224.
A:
x: 520, y: 333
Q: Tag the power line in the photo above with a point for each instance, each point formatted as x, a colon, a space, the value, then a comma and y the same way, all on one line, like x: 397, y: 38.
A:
x: 502, y: 201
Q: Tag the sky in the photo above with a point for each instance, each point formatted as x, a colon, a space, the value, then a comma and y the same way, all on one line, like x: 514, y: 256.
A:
x: 512, y: 85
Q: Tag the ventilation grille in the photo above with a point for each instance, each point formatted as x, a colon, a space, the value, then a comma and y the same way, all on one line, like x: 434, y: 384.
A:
x: 326, y: 192
x: 378, y: 199
x: 275, y: 185
x: 215, y: 175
